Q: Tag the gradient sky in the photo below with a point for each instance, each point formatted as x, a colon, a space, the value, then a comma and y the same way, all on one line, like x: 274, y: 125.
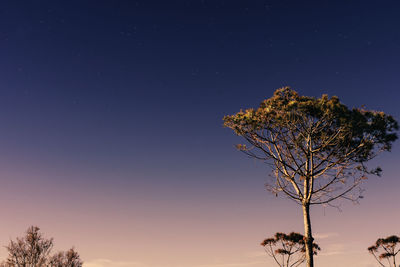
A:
x: 111, y: 133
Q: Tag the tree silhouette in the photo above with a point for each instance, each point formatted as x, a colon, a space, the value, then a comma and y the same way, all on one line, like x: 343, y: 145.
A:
x: 386, y: 249
x: 33, y: 250
x: 68, y: 258
x: 287, y: 250
x: 317, y: 147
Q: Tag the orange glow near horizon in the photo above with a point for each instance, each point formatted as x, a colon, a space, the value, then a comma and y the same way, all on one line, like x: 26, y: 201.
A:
x: 114, y: 227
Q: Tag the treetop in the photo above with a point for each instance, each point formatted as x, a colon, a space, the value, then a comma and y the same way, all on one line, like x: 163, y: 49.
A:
x: 317, y: 147
x: 318, y: 118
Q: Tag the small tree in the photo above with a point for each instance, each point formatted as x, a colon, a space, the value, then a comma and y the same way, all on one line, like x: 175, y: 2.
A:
x: 68, y: 258
x: 317, y: 147
x: 287, y: 250
x: 386, y: 249
x: 33, y: 250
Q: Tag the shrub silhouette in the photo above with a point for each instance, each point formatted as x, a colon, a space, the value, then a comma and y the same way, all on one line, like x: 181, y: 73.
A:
x: 288, y: 250
x: 386, y: 249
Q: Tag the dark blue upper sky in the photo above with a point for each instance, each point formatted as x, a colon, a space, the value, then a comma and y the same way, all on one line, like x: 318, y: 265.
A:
x: 143, y: 85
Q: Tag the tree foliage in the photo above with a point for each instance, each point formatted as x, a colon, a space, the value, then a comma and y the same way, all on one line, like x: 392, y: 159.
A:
x: 68, y: 258
x: 33, y: 250
x: 288, y: 250
x: 318, y: 146
x: 386, y: 250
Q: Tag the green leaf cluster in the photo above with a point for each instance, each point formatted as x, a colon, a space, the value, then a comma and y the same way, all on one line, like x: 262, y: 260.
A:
x: 320, y: 119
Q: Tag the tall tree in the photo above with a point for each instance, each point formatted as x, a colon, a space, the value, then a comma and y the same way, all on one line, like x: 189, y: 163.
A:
x: 386, y: 249
x: 288, y: 250
x: 318, y: 147
x: 33, y: 250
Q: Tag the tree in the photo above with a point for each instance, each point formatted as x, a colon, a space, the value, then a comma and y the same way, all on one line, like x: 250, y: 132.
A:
x: 68, y: 258
x: 33, y: 250
x: 318, y: 147
x: 386, y: 248
x: 287, y: 250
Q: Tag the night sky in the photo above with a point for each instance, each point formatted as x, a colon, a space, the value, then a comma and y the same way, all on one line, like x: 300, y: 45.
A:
x: 111, y: 133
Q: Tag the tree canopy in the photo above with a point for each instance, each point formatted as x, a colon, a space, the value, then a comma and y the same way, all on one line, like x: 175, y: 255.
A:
x: 317, y: 138
x: 33, y: 250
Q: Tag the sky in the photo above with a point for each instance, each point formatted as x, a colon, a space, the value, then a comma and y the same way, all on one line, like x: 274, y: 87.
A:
x: 111, y: 135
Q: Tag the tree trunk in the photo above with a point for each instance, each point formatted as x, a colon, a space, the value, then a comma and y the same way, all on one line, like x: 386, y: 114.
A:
x: 308, y: 235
